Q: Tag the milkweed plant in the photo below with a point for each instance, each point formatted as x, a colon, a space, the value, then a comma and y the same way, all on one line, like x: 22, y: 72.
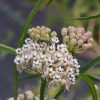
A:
x: 51, y: 59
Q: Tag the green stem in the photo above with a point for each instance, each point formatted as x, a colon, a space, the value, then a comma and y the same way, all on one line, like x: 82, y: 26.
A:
x: 58, y: 93
x: 42, y: 89
x: 15, y: 83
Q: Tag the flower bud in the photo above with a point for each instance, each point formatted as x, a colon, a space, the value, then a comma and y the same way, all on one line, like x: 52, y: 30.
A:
x: 80, y: 42
x: 64, y: 31
x: 90, y: 40
x: 89, y: 45
x: 80, y: 30
x: 29, y: 31
x: 71, y: 29
x: 38, y: 27
x: 66, y: 39
x: 85, y: 46
x: 83, y: 38
x: 73, y: 42
x: 53, y: 34
x: 72, y: 35
x: 29, y: 95
x: 78, y: 36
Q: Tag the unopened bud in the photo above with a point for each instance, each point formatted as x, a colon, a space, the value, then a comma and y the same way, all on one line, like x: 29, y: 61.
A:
x: 80, y: 42
x: 71, y: 29
x: 29, y: 31
x: 38, y: 27
x: 85, y: 46
x: 84, y: 38
x: 53, y: 34
x: 48, y: 30
x: 66, y: 39
x: 29, y: 95
x: 90, y: 40
x: 89, y: 45
x: 73, y: 42
x: 78, y: 36
x: 80, y: 30
x: 72, y: 35
x: 64, y: 31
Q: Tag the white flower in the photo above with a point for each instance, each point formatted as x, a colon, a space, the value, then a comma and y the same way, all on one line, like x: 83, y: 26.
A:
x: 55, y: 40
x: 51, y: 60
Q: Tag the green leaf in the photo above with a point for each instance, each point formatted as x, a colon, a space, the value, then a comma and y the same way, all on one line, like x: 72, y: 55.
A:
x: 94, y: 77
x: 58, y: 93
x: 28, y: 21
x: 86, y: 18
x: 22, y: 36
x: 90, y: 64
x: 7, y: 49
x: 49, y: 2
x: 91, y: 85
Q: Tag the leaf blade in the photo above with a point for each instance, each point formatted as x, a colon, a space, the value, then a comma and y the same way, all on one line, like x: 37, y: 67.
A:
x: 94, y: 78
x: 28, y: 21
x: 91, y: 85
x: 7, y: 49
x: 21, y: 38
x: 86, y: 18
x: 49, y: 2
x: 90, y: 64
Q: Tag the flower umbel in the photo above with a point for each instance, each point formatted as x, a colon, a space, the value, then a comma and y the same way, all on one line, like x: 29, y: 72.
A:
x: 51, y: 60
x: 77, y: 39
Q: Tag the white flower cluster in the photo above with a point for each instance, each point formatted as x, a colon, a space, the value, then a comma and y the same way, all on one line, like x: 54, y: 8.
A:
x: 29, y: 95
x: 52, y: 61
x: 77, y: 39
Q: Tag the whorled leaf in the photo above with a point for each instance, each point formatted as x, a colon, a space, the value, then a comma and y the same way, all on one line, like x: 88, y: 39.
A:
x: 91, y: 85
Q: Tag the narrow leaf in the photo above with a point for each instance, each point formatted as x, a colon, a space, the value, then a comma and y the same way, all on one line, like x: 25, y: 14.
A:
x: 86, y: 18
x: 94, y: 78
x: 91, y: 85
x: 49, y: 2
x: 22, y: 36
x: 28, y: 21
x: 90, y: 64
x: 7, y: 49
x: 58, y: 93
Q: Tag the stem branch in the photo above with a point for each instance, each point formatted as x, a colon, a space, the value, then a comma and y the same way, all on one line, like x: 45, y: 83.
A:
x: 42, y: 89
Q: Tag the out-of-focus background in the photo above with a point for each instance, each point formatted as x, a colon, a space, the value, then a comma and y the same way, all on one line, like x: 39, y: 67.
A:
x: 55, y: 16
